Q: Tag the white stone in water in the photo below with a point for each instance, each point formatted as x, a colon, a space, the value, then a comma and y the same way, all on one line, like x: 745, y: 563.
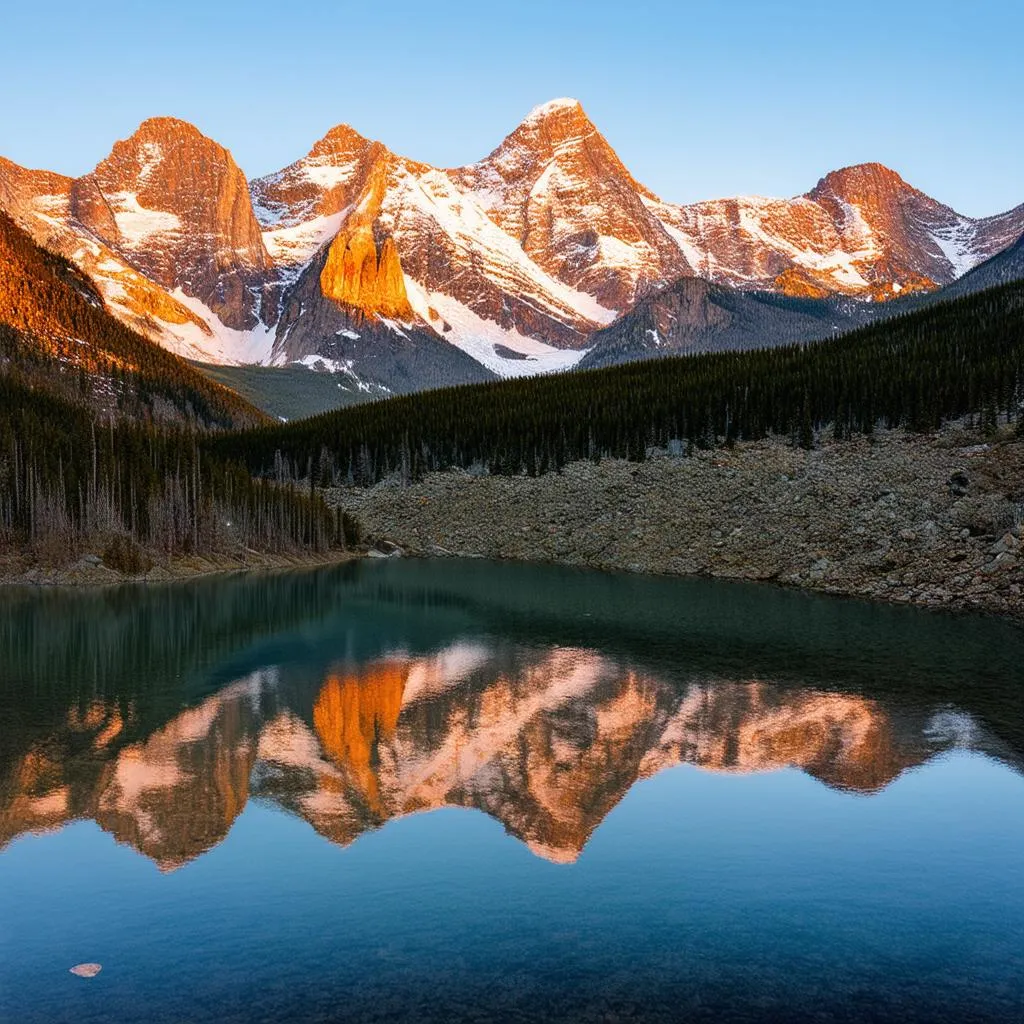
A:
x: 87, y: 970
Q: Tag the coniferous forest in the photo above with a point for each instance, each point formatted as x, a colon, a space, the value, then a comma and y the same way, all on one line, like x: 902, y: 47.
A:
x: 964, y: 357
x: 69, y: 476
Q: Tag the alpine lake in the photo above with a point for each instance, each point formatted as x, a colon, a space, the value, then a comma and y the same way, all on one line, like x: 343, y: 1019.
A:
x: 440, y: 791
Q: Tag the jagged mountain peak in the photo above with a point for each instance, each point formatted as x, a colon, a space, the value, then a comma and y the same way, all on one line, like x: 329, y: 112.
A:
x: 559, y: 189
x: 341, y: 139
x: 174, y: 204
x: 564, y: 114
x: 549, y: 131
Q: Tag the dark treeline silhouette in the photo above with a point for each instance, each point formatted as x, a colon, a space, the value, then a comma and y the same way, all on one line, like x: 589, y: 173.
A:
x: 71, y: 477
x: 914, y: 371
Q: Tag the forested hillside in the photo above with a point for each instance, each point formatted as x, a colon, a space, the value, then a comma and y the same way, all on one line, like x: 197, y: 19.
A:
x: 915, y: 371
x: 100, y: 436
x: 69, y: 478
x: 55, y: 334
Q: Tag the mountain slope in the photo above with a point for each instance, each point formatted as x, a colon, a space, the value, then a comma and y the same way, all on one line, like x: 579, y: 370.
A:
x: 915, y: 371
x: 558, y: 188
x: 1001, y: 269
x: 861, y: 231
x: 445, y: 264
x: 40, y: 203
x: 176, y: 206
x: 694, y: 315
x: 55, y: 333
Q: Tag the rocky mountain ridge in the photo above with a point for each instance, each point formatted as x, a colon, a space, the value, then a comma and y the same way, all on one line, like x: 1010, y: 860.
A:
x: 368, y: 262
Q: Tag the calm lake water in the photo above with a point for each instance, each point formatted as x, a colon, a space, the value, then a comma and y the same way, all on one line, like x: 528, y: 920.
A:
x: 460, y: 791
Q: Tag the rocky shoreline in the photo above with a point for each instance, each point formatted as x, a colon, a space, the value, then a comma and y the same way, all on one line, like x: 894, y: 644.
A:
x: 90, y: 570
x: 932, y: 520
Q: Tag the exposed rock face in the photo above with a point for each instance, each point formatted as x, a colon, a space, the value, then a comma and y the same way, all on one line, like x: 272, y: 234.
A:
x: 37, y: 198
x: 860, y: 231
x: 395, y: 356
x: 694, y: 315
x: 40, y: 203
x: 174, y: 204
x: 358, y: 273
x: 303, y: 206
x: 465, y: 276
x: 558, y: 188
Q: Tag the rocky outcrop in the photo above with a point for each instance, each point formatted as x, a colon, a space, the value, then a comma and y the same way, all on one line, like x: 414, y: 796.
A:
x: 368, y: 277
x: 928, y: 520
x: 558, y: 188
x: 394, y: 356
x: 461, y: 262
x: 694, y: 315
x: 861, y: 231
x: 40, y: 203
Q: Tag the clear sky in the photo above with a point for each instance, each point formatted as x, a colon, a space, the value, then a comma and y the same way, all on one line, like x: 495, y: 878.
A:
x: 700, y: 100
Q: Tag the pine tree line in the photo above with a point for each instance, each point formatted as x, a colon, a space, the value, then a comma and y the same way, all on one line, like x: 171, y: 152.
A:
x: 69, y: 476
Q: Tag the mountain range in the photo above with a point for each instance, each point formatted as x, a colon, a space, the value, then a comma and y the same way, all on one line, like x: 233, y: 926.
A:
x: 545, y: 254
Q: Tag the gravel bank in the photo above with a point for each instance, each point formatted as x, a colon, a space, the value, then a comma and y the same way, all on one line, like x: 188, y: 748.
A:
x: 931, y: 520
x: 90, y: 571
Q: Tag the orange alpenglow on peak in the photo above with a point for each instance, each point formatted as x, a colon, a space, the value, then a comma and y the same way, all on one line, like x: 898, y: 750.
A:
x: 163, y: 125
x: 358, y: 273
x: 561, y: 120
x: 340, y: 138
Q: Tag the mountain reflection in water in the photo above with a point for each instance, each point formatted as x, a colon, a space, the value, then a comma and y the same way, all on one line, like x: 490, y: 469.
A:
x: 547, y: 742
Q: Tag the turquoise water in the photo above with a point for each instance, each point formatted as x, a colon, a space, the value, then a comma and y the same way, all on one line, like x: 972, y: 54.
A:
x: 444, y: 791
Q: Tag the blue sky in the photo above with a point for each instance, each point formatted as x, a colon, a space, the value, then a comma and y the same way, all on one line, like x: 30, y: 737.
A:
x: 700, y: 100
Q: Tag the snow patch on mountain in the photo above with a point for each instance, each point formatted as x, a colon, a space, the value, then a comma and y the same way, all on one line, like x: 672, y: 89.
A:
x: 295, y: 246
x: 433, y: 196
x: 135, y: 223
x: 486, y: 340
x: 957, y: 244
x: 838, y: 263
x: 342, y: 367
x: 223, y: 345
x: 328, y: 175
x: 543, y: 110
x: 151, y: 155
